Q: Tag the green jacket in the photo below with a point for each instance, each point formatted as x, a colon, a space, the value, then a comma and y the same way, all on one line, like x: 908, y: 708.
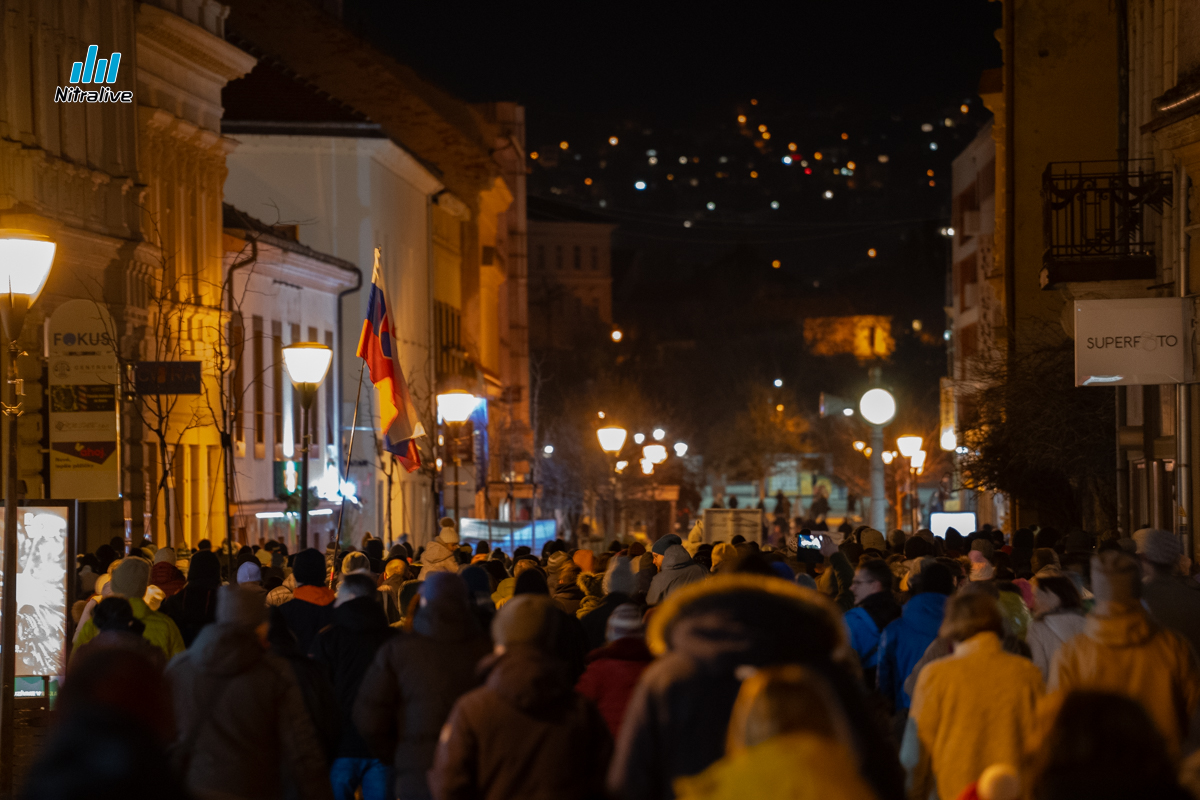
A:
x: 160, y: 631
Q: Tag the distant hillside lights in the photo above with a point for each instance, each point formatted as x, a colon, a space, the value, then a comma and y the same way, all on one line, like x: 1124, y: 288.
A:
x: 94, y: 71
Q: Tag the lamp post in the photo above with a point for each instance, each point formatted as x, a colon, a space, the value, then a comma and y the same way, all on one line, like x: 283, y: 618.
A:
x: 915, y: 464
x: 612, y: 439
x: 909, y: 446
x: 456, y: 407
x: 25, y: 261
x: 307, y: 363
x: 878, y: 408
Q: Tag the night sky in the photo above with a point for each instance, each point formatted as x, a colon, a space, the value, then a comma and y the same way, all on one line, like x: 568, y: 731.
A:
x: 884, y: 91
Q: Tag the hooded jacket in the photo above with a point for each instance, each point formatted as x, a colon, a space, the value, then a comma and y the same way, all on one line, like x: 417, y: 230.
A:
x: 414, y: 681
x: 678, y: 569
x: 526, y: 733
x: 612, y: 673
x: 167, y: 577
x: 309, y: 610
x: 958, y: 727
x: 567, y: 596
x: 676, y: 721
x: 904, y: 642
x: 438, y: 557
x: 245, y: 719
x: 347, y: 649
x: 1122, y: 650
x: 195, y: 605
x: 866, y: 622
x: 160, y: 630
x: 1049, y: 632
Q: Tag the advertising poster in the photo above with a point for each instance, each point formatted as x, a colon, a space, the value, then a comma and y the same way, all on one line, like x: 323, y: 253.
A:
x: 83, y: 375
x: 41, y: 589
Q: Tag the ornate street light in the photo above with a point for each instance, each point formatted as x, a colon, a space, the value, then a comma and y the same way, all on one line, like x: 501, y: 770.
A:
x: 25, y: 261
x: 655, y: 453
x: 456, y: 407
x: 612, y: 438
x: 878, y: 407
x: 908, y: 445
x: 307, y: 365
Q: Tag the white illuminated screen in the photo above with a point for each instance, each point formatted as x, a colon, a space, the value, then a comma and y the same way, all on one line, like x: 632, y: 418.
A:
x: 941, y: 521
x: 41, y: 590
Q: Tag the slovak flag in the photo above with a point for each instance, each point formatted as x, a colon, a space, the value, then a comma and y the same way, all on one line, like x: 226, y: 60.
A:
x: 377, y: 346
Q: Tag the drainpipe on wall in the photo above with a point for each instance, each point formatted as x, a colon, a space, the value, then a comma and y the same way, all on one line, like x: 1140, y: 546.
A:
x: 340, y: 377
x: 1183, y: 404
x: 1123, y: 522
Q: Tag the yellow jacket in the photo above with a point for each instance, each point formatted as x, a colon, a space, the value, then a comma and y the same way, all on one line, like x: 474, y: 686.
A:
x: 161, y: 630
x: 794, y: 766
x: 971, y: 709
x: 1122, y: 650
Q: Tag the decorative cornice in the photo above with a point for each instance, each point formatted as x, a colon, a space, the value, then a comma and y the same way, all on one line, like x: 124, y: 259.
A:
x: 194, y: 43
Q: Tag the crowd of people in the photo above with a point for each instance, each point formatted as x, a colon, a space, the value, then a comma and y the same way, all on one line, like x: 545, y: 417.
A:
x: 993, y: 666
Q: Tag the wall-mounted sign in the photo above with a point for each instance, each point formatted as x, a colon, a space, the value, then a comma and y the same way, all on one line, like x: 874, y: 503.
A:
x: 85, y: 462
x: 1133, y: 341
x: 166, y: 377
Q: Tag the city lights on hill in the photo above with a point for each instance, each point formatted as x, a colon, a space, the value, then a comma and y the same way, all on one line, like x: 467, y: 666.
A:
x: 964, y: 108
x: 792, y: 146
x: 563, y: 145
x: 777, y: 263
x: 534, y: 155
x: 845, y: 136
x: 741, y: 119
x: 871, y: 253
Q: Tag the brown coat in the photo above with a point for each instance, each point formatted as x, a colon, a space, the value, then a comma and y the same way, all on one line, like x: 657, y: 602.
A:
x: 526, y: 733
x: 243, y: 727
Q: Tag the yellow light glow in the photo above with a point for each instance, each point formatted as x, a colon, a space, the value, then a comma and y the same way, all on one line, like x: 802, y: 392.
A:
x: 917, y: 325
x: 563, y: 145
x: 933, y: 183
x: 600, y: 414
x: 887, y: 457
x: 845, y: 136
x: 949, y: 440
x: 742, y: 119
x: 867, y: 452
x: 777, y: 263
x: 929, y: 173
x: 621, y: 465
x: 851, y: 165
x: 612, y: 438
x: 762, y: 128
x: 860, y: 446
x: 766, y: 135
x: 617, y: 335
x: 670, y: 177
x: 779, y: 408
x: 647, y: 466
x: 655, y: 453
x: 871, y: 253
x: 534, y: 155
x: 908, y: 445
x: 792, y: 146
x: 818, y: 156
x: 964, y: 108
x: 753, y: 174
x: 613, y: 140
x: 25, y: 261
x: 753, y: 102
x: 457, y: 406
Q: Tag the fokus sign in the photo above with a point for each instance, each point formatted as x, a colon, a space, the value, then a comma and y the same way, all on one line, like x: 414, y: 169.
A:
x: 1133, y: 341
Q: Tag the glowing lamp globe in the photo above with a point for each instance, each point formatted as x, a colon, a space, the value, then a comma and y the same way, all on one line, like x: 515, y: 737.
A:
x: 908, y: 445
x: 647, y: 466
x: 877, y: 406
x: 307, y: 362
x: 918, y: 459
x: 25, y: 261
x: 612, y: 438
x: 654, y: 453
x: 949, y: 441
x: 681, y: 449
x: 457, y: 406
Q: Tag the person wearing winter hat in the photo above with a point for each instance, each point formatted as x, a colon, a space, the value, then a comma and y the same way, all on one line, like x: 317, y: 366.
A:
x: 724, y: 558
x: 873, y: 539
x: 659, y: 548
x: 439, y: 554
x: 1172, y: 599
x: 613, y: 670
x: 695, y: 538
x: 676, y: 569
x: 945, y: 745
x: 249, y: 577
x: 526, y: 732
x: 129, y: 580
x: 164, y: 574
x: 357, y: 564
x: 618, y: 586
x: 235, y: 702
x: 311, y: 606
x: 1123, y: 650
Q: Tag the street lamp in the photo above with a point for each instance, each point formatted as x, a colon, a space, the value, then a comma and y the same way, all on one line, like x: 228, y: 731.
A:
x: 659, y: 434
x: 647, y: 466
x: 910, y: 448
x: 456, y: 407
x: 307, y: 364
x: 681, y: 449
x: 878, y: 408
x: 908, y: 445
x: 25, y: 261
x: 654, y: 453
x: 612, y: 439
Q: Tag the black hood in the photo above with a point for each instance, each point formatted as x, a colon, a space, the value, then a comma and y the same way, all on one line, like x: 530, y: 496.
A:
x: 444, y: 610
x: 360, y: 614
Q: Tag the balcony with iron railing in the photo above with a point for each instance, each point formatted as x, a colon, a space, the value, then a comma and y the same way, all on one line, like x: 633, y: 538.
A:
x: 1094, y: 217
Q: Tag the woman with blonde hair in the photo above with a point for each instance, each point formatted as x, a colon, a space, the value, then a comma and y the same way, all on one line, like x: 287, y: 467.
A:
x: 788, y: 738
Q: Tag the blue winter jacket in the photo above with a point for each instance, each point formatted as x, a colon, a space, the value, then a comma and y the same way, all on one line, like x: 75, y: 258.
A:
x: 905, y: 641
x: 864, y: 636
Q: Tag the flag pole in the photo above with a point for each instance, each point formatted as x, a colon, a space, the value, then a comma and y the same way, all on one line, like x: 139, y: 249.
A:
x: 337, y: 539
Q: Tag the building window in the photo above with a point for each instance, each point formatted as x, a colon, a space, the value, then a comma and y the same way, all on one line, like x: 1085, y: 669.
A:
x: 256, y: 364
x: 595, y: 258
x: 558, y: 256
x: 330, y: 404
x: 277, y: 383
